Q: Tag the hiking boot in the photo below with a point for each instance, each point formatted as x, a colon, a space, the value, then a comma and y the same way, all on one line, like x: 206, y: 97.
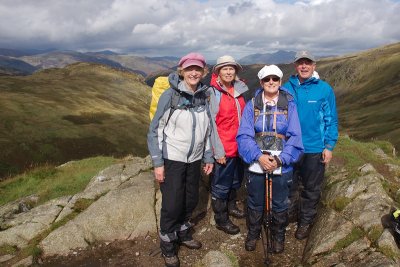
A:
x: 220, y: 208
x: 191, y: 244
x: 171, y: 261
x: 303, y: 231
x: 250, y: 244
x: 236, y: 212
x: 233, y: 209
x: 229, y: 228
x: 279, y: 246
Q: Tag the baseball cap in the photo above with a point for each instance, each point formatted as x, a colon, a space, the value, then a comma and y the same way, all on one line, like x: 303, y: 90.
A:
x: 304, y: 54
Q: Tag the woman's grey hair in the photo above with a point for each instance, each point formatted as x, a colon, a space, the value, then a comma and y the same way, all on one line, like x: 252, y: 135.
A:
x: 179, y: 70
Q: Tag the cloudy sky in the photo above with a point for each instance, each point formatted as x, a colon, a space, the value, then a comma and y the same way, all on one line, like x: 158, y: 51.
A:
x: 212, y: 27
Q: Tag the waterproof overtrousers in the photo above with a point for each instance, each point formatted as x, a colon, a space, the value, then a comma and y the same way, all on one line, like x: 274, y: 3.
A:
x: 221, y: 216
x: 254, y: 222
x: 233, y: 209
x: 280, y: 221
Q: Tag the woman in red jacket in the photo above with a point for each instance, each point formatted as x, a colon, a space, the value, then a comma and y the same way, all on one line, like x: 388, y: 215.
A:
x: 227, y: 104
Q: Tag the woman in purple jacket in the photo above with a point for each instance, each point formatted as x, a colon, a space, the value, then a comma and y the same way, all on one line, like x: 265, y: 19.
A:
x: 269, y: 123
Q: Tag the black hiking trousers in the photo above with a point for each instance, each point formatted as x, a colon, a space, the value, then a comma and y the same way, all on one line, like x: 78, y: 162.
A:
x: 180, y: 194
x: 305, y: 191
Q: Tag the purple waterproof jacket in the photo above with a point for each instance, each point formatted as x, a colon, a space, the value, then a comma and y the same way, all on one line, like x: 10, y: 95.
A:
x: 287, y: 126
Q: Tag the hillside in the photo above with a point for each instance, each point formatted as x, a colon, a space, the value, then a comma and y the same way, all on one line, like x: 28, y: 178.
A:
x: 367, y: 86
x: 13, y: 66
x: 83, y: 110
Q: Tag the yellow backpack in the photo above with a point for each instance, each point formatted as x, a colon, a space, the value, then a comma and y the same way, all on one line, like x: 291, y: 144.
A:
x: 160, y: 85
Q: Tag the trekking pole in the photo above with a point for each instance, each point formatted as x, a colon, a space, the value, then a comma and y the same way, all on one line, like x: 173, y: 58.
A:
x: 267, y: 220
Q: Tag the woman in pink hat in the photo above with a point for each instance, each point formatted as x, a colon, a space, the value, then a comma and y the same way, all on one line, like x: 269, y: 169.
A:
x: 178, y: 142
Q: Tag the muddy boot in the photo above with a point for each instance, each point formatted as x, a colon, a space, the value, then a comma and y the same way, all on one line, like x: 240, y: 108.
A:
x: 303, y: 231
x: 220, y: 208
x: 186, y: 239
x: 280, y: 221
x: 253, y: 221
x: 232, y: 206
x: 169, y: 250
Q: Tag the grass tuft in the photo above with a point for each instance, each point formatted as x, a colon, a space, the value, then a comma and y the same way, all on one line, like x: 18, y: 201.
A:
x: 339, y: 203
x: 356, y: 233
x: 49, y: 182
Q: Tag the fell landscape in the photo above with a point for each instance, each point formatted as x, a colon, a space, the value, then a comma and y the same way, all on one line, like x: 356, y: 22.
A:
x: 82, y: 110
x: 97, y: 116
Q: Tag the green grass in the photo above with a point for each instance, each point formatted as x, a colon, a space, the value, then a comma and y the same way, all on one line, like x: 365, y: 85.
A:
x: 232, y: 258
x: 339, y: 203
x: 7, y: 249
x: 49, y: 182
x: 353, y: 154
x: 375, y: 233
x: 356, y: 233
x: 356, y: 153
x: 80, y: 111
x: 388, y: 252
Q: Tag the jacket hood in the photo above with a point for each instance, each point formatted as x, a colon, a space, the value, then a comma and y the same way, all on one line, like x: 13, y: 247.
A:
x: 177, y: 84
x: 282, y: 101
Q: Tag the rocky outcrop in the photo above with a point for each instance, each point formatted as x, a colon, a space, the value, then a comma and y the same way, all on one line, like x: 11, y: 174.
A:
x: 127, y: 202
x: 125, y: 211
x: 348, y: 231
x: 24, y: 226
x: 123, y: 208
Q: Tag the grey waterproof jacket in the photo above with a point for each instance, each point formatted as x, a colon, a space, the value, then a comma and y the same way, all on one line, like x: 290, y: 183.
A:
x: 183, y: 135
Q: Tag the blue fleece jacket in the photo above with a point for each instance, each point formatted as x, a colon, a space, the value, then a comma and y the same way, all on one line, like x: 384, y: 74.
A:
x: 316, y: 106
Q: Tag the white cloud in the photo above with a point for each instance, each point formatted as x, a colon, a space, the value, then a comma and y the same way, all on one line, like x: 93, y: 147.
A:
x: 163, y: 27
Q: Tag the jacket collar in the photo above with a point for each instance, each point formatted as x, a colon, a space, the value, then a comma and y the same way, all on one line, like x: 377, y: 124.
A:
x: 282, y: 100
x: 177, y: 84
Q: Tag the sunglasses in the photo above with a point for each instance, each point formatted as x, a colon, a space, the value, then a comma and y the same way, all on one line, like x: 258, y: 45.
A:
x: 267, y: 79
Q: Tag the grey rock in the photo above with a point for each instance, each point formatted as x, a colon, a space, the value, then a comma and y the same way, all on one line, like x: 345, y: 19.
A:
x: 364, y: 185
x: 386, y: 242
x: 24, y: 263
x: 107, y: 180
x: 366, y: 168
x: 123, y: 213
x: 368, y: 202
x: 23, y: 227
x: 6, y: 257
x: 393, y: 168
x: 21, y: 205
x: 329, y: 229
x: 216, y: 259
x: 380, y: 153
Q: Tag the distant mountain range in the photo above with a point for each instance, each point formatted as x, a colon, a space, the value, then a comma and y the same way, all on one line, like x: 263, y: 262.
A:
x: 278, y: 57
x: 25, y: 62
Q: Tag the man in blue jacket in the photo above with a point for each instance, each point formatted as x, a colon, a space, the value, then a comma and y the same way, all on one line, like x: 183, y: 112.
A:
x: 316, y: 106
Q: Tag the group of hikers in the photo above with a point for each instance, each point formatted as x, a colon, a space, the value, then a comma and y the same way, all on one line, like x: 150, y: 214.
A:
x: 284, y: 133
